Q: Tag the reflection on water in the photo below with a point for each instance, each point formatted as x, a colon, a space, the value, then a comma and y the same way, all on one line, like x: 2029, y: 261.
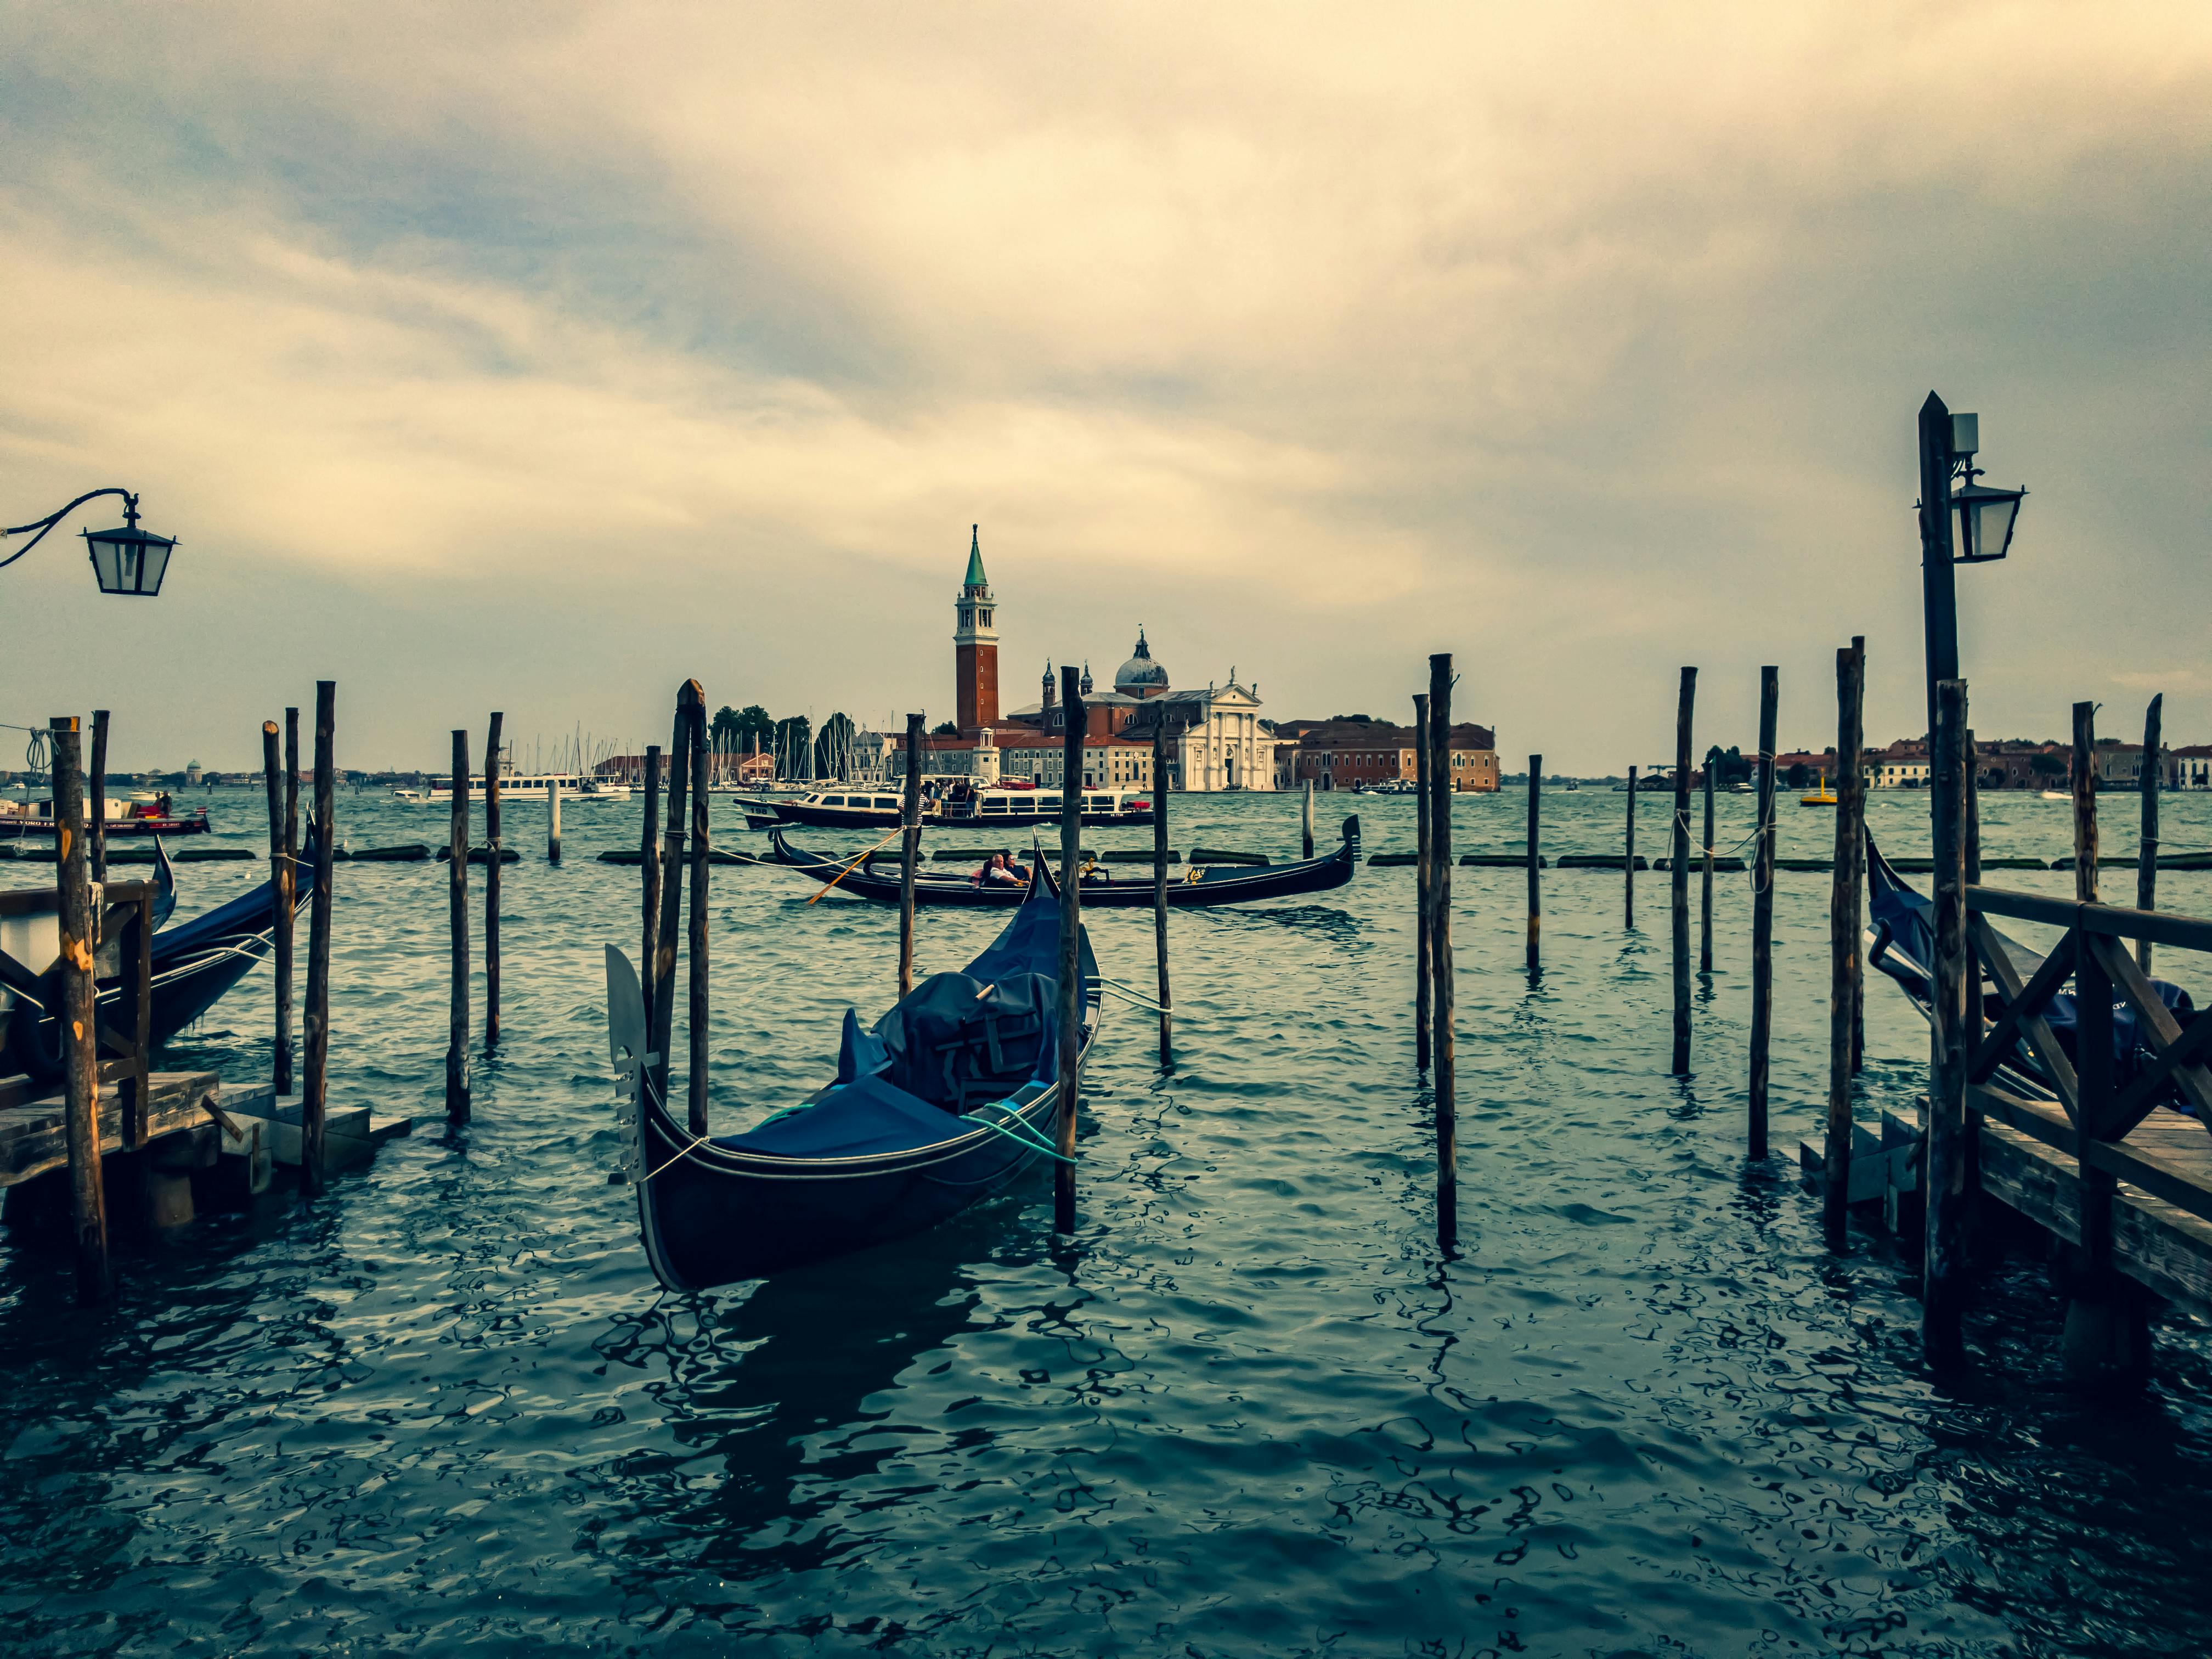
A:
x: 1248, y: 1409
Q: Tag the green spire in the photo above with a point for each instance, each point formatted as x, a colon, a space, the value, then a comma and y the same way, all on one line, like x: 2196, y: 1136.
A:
x: 976, y: 576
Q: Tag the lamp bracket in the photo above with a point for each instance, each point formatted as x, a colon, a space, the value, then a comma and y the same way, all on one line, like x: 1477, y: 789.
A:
x: 42, y: 525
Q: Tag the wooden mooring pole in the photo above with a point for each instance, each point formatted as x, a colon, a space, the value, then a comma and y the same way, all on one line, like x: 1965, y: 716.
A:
x: 314, y: 1096
x: 288, y: 917
x: 1071, y: 955
x: 1535, y: 860
x: 1305, y: 821
x: 553, y: 822
x: 1846, y: 887
x: 492, y: 751
x: 1441, y: 1054
x: 1160, y: 882
x: 1705, y: 892
x: 279, y: 865
x: 909, y: 850
x: 1423, y: 977
x: 696, y: 1018
x: 1943, y: 1255
x: 2147, y: 850
x: 1628, y: 858
x: 80, y: 926
x: 1678, y: 871
x: 1762, y: 916
x: 96, y: 814
x: 649, y: 863
x: 2107, y: 1341
x: 672, y: 882
x: 457, y: 926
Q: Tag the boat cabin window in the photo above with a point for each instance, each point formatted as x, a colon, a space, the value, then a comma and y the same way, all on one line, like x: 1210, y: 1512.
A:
x: 890, y: 801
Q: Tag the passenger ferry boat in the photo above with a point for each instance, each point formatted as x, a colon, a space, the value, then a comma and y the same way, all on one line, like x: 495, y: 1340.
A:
x: 517, y: 786
x: 1102, y: 808
x: 857, y: 806
x: 140, y: 815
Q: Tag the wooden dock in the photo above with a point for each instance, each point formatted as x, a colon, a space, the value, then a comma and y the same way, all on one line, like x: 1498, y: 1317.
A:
x: 203, y: 1145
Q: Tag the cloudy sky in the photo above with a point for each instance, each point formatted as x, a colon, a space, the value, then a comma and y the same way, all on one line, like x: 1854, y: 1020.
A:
x: 537, y: 357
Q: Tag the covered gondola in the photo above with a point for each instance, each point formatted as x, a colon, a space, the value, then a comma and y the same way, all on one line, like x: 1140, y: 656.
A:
x: 946, y: 1099
x: 194, y: 963
x: 1198, y: 885
x: 1903, y: 922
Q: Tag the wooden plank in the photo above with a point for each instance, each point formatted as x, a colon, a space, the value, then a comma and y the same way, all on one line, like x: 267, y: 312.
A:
x: 2032, y: 1026
x: 34, y: 1139
x: 2160, y: 1028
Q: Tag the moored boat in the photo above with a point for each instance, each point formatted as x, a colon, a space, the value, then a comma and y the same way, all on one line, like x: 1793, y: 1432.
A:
x: 1195, y: 887
x: 949, y: 1097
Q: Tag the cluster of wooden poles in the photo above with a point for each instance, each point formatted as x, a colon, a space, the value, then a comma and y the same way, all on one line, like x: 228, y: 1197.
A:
x: 84, y: 893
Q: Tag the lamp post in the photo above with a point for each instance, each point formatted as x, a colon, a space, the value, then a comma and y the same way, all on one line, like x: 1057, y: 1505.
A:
x: 1972, y: 526
x: 127, y: 560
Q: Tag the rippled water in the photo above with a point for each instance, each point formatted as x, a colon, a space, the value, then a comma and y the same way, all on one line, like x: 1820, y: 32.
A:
x: 1248, y: 1409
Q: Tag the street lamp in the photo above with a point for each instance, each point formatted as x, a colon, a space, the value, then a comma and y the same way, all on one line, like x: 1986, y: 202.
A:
x: 126, y: 560
x: 1986, y: 515
x: 1972, y: 526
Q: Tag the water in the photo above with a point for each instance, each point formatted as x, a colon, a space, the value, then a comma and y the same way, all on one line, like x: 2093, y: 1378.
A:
x: 1248, y: 1409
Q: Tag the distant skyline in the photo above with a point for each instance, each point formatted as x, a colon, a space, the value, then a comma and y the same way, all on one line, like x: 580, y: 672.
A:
x: 538, y: 358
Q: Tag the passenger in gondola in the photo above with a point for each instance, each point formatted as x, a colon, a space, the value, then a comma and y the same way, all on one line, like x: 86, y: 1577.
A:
x: 998, y: 871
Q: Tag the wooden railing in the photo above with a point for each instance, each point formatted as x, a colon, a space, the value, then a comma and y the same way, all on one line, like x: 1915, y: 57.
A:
x: 2101, y: 1107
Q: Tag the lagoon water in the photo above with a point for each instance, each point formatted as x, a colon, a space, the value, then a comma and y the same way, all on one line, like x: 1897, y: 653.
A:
x: 1248, y: 1409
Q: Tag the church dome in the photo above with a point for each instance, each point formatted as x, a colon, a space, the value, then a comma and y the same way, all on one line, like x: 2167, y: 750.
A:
x: 1140, y: 677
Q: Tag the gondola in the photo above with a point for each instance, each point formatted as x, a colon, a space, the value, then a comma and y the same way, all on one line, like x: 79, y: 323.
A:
x: 1903, y: 923
x: 194, y: 963
x: 949, y: 1097
x: 1197, y: 886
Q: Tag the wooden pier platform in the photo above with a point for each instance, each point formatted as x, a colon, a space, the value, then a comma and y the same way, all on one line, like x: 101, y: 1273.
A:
x: 202, y: 1145
x: 2157, y: 1242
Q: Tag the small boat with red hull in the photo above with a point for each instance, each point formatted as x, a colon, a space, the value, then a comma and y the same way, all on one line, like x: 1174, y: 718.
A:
x: 140, y: 816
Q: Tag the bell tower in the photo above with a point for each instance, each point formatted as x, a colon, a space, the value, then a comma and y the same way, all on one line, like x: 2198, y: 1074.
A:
x: 974, y: 646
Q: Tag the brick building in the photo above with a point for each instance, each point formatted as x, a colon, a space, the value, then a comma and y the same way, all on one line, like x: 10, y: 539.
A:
x: 1345, y: 754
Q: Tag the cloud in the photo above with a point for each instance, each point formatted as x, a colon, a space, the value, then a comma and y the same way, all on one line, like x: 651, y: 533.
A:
x: 1573, y: 334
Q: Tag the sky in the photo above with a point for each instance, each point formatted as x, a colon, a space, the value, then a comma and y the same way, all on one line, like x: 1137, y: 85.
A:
x: 538, y: 358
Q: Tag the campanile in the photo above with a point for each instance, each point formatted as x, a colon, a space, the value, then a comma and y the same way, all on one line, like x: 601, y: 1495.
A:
x: 974, y: 646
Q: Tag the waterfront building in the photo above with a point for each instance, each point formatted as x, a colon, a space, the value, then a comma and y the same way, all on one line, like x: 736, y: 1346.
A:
x: 1345, y: 754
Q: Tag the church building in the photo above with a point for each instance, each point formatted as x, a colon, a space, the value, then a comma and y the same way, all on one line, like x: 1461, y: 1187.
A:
x: 1213, y: 736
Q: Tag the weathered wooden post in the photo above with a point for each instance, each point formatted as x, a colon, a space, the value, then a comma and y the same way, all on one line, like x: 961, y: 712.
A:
x: 1071, y: 959
x: 314, y: 1098
x: 2104, y: 1343
x: 1442, y: 1054
x: 2147, y: 851
x: 909, y: 850
x: 1535, y: 860
x: 1762, y: 915
x: 553, y: 820
x: 649, y: 862
x: 1678, y: 871
x: 456, y: 926
x: 1628, y: 858
x: 672, y: 883
x: 1160, y: 879
x: 1943, y: 1255
x: 80, y: 926
x: 279, y: 866
x: 1423, y: 979
x: 1705, y: 894
x: 492, y: 752
x: 1305, y: 821
x: 695, y: 1019
x: 1973, y: 863
x: 288, y: 919
x: 96, y: 815
x: 1846, y: 887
